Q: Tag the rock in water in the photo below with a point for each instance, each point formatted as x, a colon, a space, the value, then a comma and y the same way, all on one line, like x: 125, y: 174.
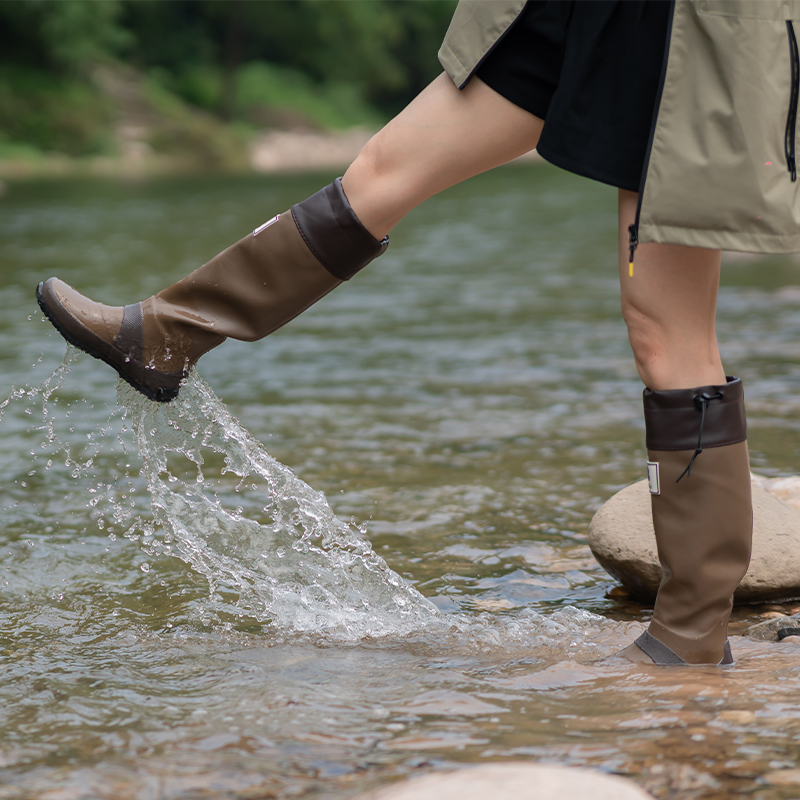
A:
x: 513, y: 781
x: 622, y: 540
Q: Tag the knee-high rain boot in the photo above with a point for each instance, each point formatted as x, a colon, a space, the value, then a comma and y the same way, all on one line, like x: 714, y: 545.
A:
x: 699, y: 475
x: 247, y: 291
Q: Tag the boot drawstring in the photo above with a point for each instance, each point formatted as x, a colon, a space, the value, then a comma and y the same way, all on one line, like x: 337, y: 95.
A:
x: 701, y: 401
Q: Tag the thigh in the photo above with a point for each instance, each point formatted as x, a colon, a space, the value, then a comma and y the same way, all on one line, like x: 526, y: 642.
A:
x: 669, y: 306
x: 444, y: 136
x: 447, y: 134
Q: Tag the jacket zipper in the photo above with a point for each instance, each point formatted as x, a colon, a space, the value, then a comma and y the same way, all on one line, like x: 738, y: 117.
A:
x: 633, y: 230
x: 791, y: 119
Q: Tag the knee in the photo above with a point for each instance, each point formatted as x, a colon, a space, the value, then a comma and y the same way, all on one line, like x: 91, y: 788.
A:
x: 671, y: 355
x: 374, y: 161
x: 381, y: 188
x: 649, y: 342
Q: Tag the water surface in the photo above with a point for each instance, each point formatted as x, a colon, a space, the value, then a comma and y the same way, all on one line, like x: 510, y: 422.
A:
x: 363, y: 554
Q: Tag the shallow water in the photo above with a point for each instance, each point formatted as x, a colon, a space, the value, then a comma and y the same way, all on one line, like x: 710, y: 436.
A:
x: 183, y: 616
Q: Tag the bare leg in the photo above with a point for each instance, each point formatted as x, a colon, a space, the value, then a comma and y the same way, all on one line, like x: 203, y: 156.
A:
x: 443, y: 137
x: 669, y: 306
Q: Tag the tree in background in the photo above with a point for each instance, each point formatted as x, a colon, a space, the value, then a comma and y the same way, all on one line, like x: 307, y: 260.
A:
x: 380, y: 51
x: 46, y: 51
x: 323, y: 63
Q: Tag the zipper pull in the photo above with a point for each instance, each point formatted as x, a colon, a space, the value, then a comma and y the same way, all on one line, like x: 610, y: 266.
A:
x: 792, y: 168
x: 634, y: 243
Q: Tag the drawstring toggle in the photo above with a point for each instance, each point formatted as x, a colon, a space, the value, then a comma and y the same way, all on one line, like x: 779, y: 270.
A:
x: 701, y: 401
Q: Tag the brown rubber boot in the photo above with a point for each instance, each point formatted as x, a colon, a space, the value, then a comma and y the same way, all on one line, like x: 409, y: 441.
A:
x: 246, y: 292
x: 699, y: 474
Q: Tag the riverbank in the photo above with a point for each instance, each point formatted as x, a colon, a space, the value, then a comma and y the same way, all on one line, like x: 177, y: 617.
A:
x: 266, y: 151
x: 149, y: 131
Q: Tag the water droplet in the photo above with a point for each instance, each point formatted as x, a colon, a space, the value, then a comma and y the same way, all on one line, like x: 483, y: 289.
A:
x: 145, y: 567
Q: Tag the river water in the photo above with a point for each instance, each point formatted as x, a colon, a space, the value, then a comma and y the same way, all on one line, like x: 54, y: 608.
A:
x: 356, y: 550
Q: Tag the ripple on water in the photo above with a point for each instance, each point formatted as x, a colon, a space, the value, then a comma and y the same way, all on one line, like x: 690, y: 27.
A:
x: 207, y: 626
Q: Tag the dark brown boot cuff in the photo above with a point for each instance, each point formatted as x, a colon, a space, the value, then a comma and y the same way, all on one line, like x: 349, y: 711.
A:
x: 334, y: 234
x: 672, y: 418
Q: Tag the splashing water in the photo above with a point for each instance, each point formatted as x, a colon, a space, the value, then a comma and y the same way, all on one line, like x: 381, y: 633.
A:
x: 268, y: 544
x: 301, y: 569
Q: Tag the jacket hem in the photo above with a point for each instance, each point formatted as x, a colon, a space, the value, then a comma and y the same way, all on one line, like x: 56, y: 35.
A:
x: 454, y: 66
x: 772, y: 244
x: 468, y: 16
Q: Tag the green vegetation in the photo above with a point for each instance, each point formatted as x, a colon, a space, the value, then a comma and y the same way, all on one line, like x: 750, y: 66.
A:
x: 199, y: 74
x: 273, y: 96
x: 47, y: 112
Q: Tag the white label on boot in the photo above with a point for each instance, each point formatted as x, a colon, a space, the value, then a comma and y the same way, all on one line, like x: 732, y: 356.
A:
x: 265, y: 225
x: 653, y: 477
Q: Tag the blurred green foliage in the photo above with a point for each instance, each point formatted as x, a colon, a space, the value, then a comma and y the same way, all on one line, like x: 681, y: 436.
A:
x: 283, y: 63
x: 385, y: 49
x: 53, y: 113
x: 61, y: 36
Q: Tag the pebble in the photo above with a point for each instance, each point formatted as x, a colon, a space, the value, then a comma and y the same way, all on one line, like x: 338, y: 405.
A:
x: 737, y: 717
x: 783, y: 777
x: 512, y: 781
x: 768, y: 631
x: 622, y: 540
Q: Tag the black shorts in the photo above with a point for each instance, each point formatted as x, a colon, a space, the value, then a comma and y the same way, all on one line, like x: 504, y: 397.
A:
x: 591, y: 69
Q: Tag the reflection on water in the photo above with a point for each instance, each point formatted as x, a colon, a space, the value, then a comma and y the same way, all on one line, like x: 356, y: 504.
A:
x: 183, y: 616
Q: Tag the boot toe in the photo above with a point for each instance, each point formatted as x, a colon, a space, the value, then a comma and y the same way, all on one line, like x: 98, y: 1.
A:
x: 95, y: 329
x: 83, y: 322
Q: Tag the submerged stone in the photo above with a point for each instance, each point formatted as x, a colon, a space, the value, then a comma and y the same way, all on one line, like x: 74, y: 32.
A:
x: 513, y: 781
x: 768, y: 631
x: 622, y: 540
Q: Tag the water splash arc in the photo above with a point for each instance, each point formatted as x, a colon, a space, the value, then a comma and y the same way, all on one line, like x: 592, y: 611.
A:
x: 293, y: 563
x: 269, y: 546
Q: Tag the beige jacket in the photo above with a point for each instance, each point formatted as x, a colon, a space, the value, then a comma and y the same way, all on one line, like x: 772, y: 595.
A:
x: 720, y: 168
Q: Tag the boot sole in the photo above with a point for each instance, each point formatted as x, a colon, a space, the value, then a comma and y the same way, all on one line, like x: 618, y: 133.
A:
x: 160, y: 395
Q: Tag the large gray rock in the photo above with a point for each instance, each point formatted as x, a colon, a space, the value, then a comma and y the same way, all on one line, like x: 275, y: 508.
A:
x: 621, y: 538
x: 513, y: 781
